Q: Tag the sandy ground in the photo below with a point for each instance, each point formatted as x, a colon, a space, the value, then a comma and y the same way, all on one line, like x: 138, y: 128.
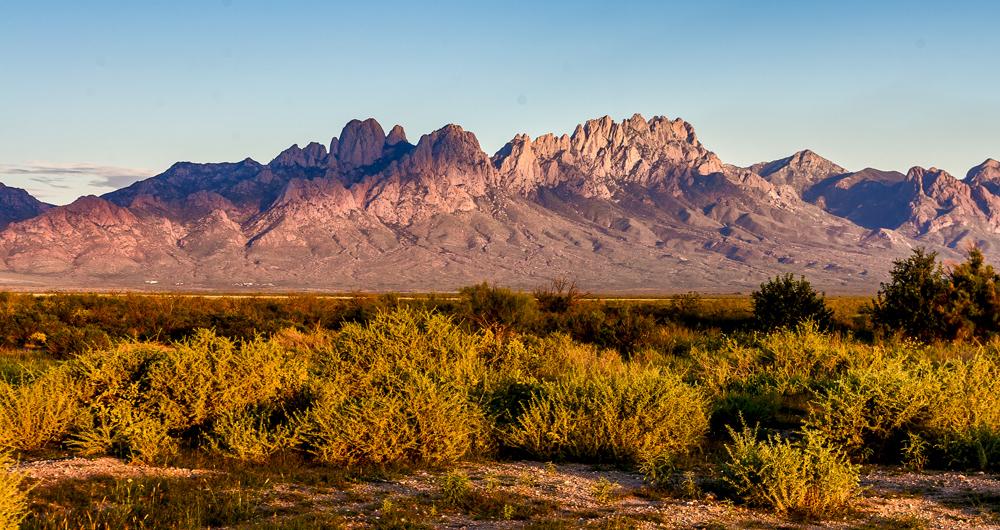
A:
x: 583, y: 495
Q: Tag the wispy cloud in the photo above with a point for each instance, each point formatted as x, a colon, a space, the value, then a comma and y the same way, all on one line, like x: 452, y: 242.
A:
x: 64, y: 182
x: 96, y: 175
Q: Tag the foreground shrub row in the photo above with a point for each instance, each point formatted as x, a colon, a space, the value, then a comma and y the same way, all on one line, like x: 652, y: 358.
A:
x: 412, y: 387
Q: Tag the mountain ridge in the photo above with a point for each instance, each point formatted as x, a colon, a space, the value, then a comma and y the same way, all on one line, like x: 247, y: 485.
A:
x: 17, y: 204
x: 632, y: 205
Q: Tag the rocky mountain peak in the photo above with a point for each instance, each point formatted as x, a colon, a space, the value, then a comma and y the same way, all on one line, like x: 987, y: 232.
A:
x: 986, y: 174
x: 314, y: 155
x: 396, y: 136
x: 96, y: 210
x: 801, y: 171
x: 445, y: 149
x: 933, y: 181
x: 602, y: 156
x: 361, y: 143
x: 631, y: 204
x: 17, y: 204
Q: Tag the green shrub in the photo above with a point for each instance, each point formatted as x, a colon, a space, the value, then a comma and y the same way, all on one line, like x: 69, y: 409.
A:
x: 397, y: 391
x: 963, y: 418
x: 13, y: 494
x: 497, y: 307
x: 870, y: 408
x: 810, y: 477
x: 632, y: 416
x: 911, y: 303
x: 945, y: 414
x: 803, y: 354
x: 784, y: 302
x: 37, y: 413
x: 68, y: 340
x: 144, y: 398
x: 252, y: 435
x: 208, y: 376
x: 455, y: 488
x: 559, y: 296
x: 973, y: 304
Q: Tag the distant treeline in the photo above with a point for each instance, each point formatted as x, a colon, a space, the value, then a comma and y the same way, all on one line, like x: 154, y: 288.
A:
x: 923, y: 300
x: 64, y: 324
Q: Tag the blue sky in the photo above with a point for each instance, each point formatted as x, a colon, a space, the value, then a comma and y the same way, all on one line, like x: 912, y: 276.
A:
x: 96, y: 94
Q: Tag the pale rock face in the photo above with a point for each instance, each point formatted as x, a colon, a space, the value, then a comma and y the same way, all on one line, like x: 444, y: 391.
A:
x: 984, y: 181
x: 361, y: 143
x: 102, y: 234
x: 986, y: 175
x: 602, y: 156
x: 396, y: 136
x: 445, y: 172
x: 941, y: 201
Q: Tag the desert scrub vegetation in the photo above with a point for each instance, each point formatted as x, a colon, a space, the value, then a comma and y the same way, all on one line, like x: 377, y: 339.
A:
x: 381, y: 384
x: 946, y: 411
x: 128, y: 503
x: 143, y: 399
x: 809, y: 476
x: 13, y: 494
x: 632, y: 415
x: 38, y: 410
x: 398, y: 390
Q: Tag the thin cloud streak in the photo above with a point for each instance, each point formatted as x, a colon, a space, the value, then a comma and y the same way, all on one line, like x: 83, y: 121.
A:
x: 50, y: 181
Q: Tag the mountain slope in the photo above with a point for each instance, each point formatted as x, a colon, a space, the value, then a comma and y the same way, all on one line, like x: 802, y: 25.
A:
x: 17, y: 205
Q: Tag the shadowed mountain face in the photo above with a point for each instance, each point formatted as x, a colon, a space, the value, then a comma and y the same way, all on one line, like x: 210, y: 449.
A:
x: 18, y: 205
x: 637, y: 205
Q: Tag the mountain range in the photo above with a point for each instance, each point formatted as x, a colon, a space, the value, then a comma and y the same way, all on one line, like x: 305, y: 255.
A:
x: 632, y: 206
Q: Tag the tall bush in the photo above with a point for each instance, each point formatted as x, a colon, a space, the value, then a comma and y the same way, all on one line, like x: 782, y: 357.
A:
x: 40, y: 412
x: 911, y: 302
x: 785, y: 302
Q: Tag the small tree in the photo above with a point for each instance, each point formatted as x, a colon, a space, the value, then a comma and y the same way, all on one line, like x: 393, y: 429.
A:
x: 559, y: 296
x: 784, y: 302
x: 913, y: 300
x: 973, y: 300
x: 498, y: 308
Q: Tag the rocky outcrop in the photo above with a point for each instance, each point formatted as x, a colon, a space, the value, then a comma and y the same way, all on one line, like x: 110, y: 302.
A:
x: 361, y: 144
x: 603, y: 156
x: 17, y: 205
x: 396, y: 136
